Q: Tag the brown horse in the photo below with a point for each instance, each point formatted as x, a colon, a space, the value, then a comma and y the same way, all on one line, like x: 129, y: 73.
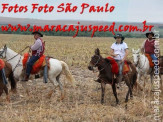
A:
x: 107, y: 77
x: 9, y: 75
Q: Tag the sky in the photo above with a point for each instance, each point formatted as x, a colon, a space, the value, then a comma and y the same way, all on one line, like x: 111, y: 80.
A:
x: 125, y: 10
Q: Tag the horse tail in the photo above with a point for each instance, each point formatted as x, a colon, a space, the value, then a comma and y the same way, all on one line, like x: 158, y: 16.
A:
x: 12, y: 81
x: 67, y: 72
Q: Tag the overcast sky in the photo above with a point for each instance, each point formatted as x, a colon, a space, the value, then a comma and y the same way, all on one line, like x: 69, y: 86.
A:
x: 125, y: 10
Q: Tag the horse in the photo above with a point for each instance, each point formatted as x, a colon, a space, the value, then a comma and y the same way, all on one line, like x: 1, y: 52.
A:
x: 9, y: 75
x: 107, y: 77
x: 143, y: 67
x: 54, y: 72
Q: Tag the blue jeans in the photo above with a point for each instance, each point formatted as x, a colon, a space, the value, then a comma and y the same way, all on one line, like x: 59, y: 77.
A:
x: 153, y: 57
x: 120, y: 65
x: 30, y: 63
x: 3, y: 76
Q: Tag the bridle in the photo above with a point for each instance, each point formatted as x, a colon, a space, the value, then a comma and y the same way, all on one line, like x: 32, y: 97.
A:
x: 138, y: 62
x: 98, y: 62
x: 102, y: 68
x: 5, y: 51
x: 94, y: 65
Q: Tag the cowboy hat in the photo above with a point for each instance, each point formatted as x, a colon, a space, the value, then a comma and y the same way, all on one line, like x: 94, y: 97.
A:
x: 120, y: 36
x: 149, y: 33
x: 36, y: 32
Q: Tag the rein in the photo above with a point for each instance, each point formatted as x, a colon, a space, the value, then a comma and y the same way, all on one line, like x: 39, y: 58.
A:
x: 17, y: 54
x: 5, y: 50
x: 102, y: 69
x: 112, y: 75
x: 97, y: 61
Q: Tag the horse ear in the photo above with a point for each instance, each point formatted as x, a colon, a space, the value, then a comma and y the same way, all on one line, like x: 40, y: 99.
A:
x: 139, y: 50
x: 132, y: 49
x: 5, y: 46
x: 97, y: 52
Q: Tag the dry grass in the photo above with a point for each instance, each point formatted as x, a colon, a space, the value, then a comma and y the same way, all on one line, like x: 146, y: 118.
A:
x: 83, y: 102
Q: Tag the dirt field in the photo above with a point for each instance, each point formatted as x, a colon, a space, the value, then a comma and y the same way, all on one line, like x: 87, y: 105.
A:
x: 83, y: 102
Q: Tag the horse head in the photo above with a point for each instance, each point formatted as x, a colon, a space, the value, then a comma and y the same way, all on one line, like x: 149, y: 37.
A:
x: 95, y: 59
x: 136, y: 55
x: 3, y: 52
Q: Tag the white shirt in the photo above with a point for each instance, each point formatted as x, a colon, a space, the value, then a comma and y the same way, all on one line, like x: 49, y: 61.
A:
x: 119, y: 49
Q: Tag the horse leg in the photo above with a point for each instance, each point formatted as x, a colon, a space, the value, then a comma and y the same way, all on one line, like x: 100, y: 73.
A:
x: 139, y: 77
x: 160, y: 81
x: 151, y: 78
x: 129, y: 89
x: 60, y: 86
x: 25, y: 87
x: 145, y: 77
x: 1, y: 89
x: 7, y: 94
x: 102, y: 91
x: 55, y: 84
x: 115, y: 93
x: 137, y: 85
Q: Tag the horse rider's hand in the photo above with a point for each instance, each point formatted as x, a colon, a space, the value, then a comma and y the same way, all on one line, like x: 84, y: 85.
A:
x: 116, y: 55
x: 121, y: 61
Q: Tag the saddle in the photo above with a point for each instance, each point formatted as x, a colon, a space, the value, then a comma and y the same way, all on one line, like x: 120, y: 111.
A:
x: 38, y: 65
x: 150, y: 60
x: 115, y: 68
x: 2, y: 64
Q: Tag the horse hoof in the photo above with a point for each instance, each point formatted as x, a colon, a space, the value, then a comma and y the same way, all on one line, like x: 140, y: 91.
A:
x: 8, y: 99
x: 50, y: 94
x: 117, y: 103
x: 126, y: 100
x: 126, y: 106
x: 62, y: 96
x: 13, y: 91
x: 102, y: 102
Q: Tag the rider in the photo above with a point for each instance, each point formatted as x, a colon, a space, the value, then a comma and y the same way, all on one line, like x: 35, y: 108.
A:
x: 119, y: 51
x: 148, y: 45
x: 37, y: 51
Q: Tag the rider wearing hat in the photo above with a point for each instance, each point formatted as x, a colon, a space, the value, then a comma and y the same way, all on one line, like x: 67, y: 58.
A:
x: 37, y: 51
x: 148, y: 45
x: 119, y: 51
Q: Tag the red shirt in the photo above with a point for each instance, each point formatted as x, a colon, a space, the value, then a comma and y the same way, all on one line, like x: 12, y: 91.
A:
x: 149, y: 46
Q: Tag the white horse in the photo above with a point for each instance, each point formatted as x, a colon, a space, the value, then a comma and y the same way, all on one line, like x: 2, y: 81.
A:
x: 142, y: 65
x: 56, y: 69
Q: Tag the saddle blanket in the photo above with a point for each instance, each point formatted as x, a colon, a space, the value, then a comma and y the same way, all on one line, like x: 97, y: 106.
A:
x: 150, y: 60
x: 115, y: 68
x: 38, y: 65
x: 2, y: 64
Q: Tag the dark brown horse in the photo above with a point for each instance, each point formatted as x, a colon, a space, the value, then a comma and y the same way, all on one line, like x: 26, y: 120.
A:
x: 107, y: 77
x: 9, y: 75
